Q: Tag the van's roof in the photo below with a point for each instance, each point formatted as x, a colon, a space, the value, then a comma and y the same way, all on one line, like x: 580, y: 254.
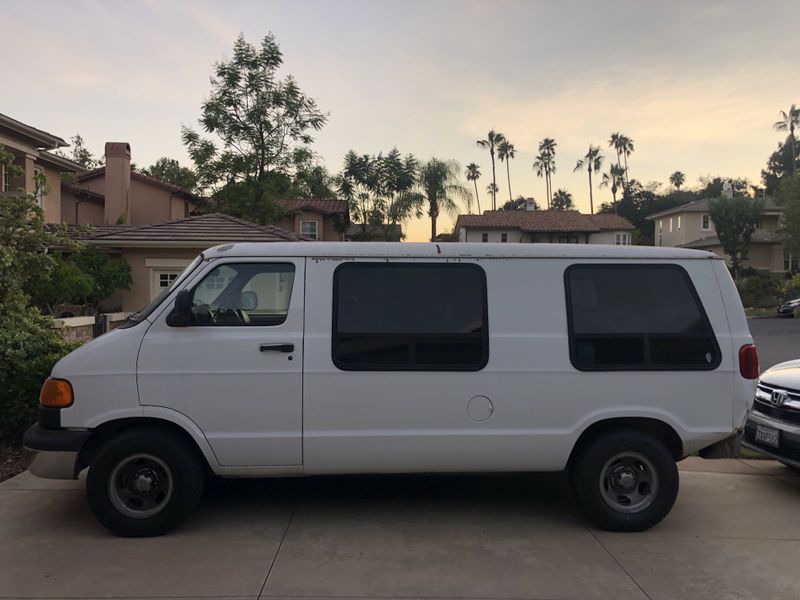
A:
x: 451, y: 250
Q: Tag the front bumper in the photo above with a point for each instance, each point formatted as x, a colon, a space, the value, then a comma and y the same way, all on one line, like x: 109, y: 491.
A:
x: 53, y: 453
x: 789, y: 450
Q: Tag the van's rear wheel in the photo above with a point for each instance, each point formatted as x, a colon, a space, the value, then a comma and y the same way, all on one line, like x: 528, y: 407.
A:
x: 625, y: 480
x: 144, y: 483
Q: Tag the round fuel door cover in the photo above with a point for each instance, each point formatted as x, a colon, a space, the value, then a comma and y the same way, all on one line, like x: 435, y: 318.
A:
x: 480, y: 408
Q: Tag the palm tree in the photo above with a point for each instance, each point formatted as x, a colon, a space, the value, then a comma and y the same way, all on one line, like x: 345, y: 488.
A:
x: 677, y: 179
x: 626, y: 148
x: 788, y: 122
x: 615, y: 142
x: 492, y: 189
x: 592, y: 161
x: 613, y: 178
x: 473, y: 174
x: 493, y: 139
x: 545, y: 164
x: 562, y: 200
x: 440, y: 189
x: 505, y: 152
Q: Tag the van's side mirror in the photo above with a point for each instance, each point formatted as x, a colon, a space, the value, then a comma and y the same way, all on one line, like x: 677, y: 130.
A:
x: 182, y: 313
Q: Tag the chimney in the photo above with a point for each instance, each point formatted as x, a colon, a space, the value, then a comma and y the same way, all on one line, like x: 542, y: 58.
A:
x: 118, y: 183
x: 530, y: 204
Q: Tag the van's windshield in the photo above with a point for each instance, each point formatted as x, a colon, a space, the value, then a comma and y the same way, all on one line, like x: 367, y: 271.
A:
x: 139, y: 316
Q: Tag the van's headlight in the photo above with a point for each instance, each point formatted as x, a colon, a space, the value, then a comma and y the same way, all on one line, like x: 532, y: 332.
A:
x: 56, y: 393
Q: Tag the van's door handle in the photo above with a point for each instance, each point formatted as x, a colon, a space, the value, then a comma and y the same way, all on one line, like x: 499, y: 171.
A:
x: 276, y: 347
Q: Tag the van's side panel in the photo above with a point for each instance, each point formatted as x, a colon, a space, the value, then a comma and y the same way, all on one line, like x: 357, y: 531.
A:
x: 417, y: 421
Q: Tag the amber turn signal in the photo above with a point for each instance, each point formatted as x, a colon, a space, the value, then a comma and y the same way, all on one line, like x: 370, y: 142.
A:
x: 56, y: 393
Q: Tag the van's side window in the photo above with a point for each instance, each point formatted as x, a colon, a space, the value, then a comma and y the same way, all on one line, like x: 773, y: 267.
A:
x: 244, y: 294
x: 410, y: 317
x: 637, y: 317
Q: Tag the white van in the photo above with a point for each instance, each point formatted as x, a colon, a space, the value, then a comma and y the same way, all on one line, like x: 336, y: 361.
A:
x: 288, y: 359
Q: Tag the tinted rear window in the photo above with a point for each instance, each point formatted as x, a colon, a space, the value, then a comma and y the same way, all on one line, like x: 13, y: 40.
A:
x: 637, y: 317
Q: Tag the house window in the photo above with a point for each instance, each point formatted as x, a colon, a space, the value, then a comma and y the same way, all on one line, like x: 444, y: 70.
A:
x: 790, y: 264
x: 679, y: 222
x: 410, y: 317
x: 670, y: 224
x: 309, y: 229
x: 623, y: 239
x: 637, y: 318
x: 660, y: 225
x: 5, y: 179
x: 504, y: 237
x: 255, y: 294
x: 484, y: 237
x: 568, y: 239
x: 705, y: 222
x: 162, y: 279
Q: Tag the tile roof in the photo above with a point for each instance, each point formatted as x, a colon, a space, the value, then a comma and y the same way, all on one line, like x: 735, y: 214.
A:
x: 325, y: 206
x: 83, y: 192
x: 760, y: 236
x: 45, y: 140
x: 702, y: 206
x: 539, y: 221
x: 175, y: 189
x: 211, y: 228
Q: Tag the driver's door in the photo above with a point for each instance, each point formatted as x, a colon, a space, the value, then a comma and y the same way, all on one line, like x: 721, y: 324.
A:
x: 236, y: 368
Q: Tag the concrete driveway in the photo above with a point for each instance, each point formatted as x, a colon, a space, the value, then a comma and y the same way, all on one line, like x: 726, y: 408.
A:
x: 734, y: 533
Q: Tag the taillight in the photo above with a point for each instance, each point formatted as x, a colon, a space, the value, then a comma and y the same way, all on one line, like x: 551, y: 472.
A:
x: 748, y: 361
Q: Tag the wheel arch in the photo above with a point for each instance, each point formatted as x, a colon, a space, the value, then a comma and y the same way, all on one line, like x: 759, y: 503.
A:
x: 657, y: 428
x: 108, y: 430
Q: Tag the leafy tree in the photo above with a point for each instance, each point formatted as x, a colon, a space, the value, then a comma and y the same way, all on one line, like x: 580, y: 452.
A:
x: 545, y: 165
x: 440, y: 189
x: 788, y: 121
x: 80, y: 153
x: 506, y: 152
x: 29, y: 345
x: 259, y: 120
x: 520, y: 203
x: 106, y: 273
x: 779, y: 164
x: 677, y: 179
x: 380, y: 190
x: 473, y: 173
x: 562, y: 200
x: 787, y: 197
x: 735, y: 219
x: 592, y: 161
x: 491, y: 142
x: 171, y: 171
x: 712, y: 186
x: 67, y: 284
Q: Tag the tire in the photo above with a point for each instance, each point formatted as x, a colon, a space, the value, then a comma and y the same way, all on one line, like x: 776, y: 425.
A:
x: 144, y: 482
x: 625, y: 481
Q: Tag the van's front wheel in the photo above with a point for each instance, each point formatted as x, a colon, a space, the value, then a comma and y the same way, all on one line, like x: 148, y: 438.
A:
x: 144, y: 483
x: 625, y: 481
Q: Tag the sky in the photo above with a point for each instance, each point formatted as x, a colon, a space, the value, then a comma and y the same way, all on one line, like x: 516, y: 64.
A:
x: 697, y: 85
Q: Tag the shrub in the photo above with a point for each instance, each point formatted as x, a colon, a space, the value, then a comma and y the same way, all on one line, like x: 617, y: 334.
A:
x: 767, y: 301
x: 29, y: 347
x: 755, y: 289
x: 791, y: 289
x: 797, y: 313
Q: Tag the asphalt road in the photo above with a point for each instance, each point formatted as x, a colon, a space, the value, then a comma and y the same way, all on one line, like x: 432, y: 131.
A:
x: 777, y: 340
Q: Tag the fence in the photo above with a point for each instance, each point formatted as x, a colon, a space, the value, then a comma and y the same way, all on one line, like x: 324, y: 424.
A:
x: 83, y: 329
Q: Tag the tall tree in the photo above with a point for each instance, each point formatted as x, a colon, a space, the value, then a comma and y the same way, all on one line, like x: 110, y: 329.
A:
x: 613, y: 179
x: 492, y: 190
x: 562, y: 200
x: 520, y: 203
x: 259, y: 120
x: 735, y: 219
x: 440, y: 189
x: 626, y: 147
x: 592, y: 162
x: 473, y: 173
x: 616, y: 142
x: 506, y: 152
x: 171, y: 171
x: 491, y: 142
x: 545, y: 164
x: 677, y: 179
x: 779, y: 163
x: 788, y: 122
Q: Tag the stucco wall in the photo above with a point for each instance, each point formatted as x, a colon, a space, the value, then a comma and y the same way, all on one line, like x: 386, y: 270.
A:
x: 495, y: 235
x: 608, y: 237
x: 326, y: 229
x: 139, y: 295
x: 89, y: 212
x: 149, y: 204
x: 760, y: 256
x: 52, y: 199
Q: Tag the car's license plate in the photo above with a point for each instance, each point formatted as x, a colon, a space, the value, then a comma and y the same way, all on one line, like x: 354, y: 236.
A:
x: 768, y: 435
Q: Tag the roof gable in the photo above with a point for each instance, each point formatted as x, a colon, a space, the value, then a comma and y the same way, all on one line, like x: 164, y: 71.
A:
x: 325, y: 206
x: 544, y: 221
x: 136, y: 175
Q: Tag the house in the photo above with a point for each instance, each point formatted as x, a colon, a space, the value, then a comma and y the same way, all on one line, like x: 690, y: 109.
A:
x: 158, y: 253
x: 32, y: 150
x: 316, y: 218
x: 550, y: 226
x: 115, y: 195
x: 690, y: 226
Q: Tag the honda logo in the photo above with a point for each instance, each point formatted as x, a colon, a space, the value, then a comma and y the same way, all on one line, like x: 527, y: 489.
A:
x: 778, y: 397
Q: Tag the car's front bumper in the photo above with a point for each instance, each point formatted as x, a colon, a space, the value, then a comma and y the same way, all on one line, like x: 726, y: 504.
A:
x: 789, y: 450
x: 53, y: 453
